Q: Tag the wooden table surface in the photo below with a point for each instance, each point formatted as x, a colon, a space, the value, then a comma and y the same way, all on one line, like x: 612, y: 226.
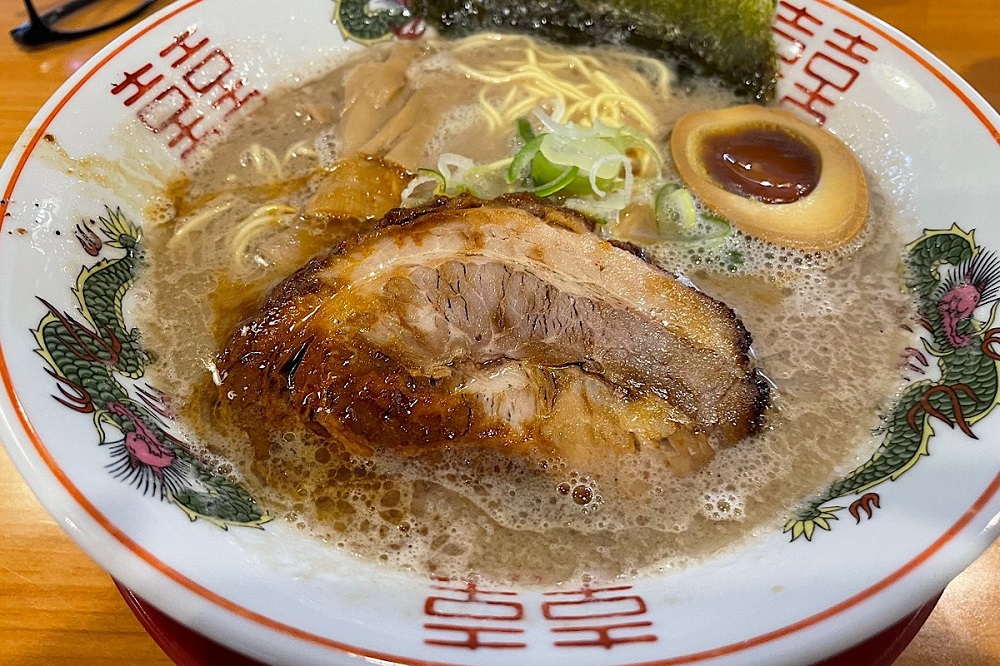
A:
x: 57, y: 607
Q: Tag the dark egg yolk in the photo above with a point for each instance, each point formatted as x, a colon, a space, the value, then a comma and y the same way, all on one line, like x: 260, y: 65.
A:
x: 770, y: 165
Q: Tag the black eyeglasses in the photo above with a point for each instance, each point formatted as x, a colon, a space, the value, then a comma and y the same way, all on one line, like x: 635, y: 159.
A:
x: 74, y: 19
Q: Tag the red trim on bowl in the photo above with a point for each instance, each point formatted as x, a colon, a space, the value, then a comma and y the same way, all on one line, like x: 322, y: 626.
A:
x: 189, y: 648
x: 293, y: 632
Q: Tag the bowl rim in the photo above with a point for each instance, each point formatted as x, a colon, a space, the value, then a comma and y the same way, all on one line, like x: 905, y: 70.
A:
x: 13, y: 440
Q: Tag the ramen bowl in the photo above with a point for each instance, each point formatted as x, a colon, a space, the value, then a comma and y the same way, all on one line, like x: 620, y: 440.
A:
x: 874, y: 545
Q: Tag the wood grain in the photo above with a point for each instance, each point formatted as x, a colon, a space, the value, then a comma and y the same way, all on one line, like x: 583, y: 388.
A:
x: 58, y: 607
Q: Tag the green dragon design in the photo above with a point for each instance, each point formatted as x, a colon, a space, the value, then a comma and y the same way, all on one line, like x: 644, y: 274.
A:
x: 952, y: 278
x: 950, y: 275
x: 91, y: 355
x: 363, y: 22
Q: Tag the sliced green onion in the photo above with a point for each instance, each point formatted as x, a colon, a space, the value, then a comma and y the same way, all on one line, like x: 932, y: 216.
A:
x: 519, y: 165
x: 432, y: 175
x: 583, y: 153
x: 621, y: 138
x: 597, y: 183
x: 558, y: 183
x: 714, y: 227
x: 524, y: 130
x: 678, y: 220
x: 598, y: 162
x: 487, y: 181
x: 675, y: 212
x: 453, y: 179
x: 424, y: 178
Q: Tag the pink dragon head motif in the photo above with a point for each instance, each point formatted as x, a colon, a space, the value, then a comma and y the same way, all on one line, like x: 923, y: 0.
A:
x: 973, y: 283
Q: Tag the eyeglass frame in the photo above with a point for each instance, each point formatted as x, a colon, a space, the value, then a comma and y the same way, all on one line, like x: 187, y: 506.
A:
x: 38, y: 30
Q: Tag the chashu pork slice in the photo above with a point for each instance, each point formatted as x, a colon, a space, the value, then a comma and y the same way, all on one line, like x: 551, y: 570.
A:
x: 504, y: 323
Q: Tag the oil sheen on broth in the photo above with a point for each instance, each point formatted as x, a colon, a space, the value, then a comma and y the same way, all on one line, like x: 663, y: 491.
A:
x: 827, y: 330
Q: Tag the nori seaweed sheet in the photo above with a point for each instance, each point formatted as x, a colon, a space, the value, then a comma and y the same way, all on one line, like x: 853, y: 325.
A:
x: 729, y: 39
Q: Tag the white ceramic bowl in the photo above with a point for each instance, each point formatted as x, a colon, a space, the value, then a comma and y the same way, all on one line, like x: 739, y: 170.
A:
x: 197, y: 66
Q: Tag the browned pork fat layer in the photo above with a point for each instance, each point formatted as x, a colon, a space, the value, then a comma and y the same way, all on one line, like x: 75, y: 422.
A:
x: 501, y: 323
